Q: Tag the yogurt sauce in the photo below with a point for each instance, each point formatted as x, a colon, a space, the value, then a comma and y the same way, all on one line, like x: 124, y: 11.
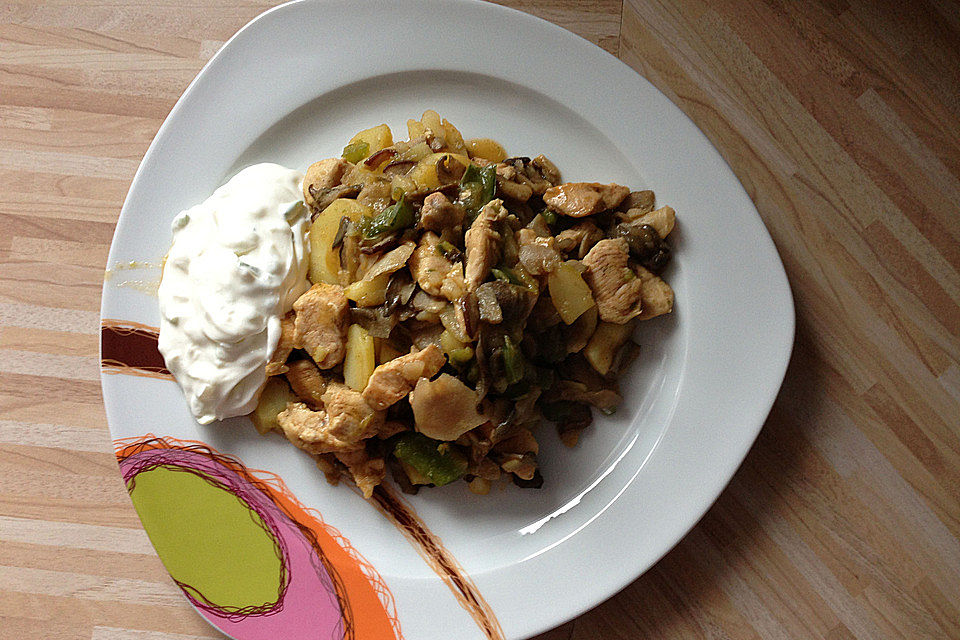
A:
x: 238, y: 262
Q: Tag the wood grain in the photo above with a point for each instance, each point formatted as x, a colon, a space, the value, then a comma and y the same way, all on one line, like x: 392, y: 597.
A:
x: 840, y: 117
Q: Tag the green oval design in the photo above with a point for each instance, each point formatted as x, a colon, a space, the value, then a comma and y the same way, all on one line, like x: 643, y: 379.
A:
x: 208, y: 538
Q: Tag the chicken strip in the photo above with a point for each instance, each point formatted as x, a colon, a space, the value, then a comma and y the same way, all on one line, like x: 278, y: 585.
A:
x: 321, y: 324
x: 438, y: 213
x: 615, y: 286
x: 428, y: 266
x: 483, y: 243
x: 579, y: 199
x: 366, y: 472
x: 277, y: 364
x: 341, y: 425
x: 307, y: 381
x: 393, y: 380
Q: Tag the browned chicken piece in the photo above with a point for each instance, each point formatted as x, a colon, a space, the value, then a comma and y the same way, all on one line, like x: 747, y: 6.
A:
x: 579, y: 199
x: 305, y: 428
x: 323, y: 176
x: 438, y: 213
x: 454, y: 286
x: 375, y: 195
x: 307, y: 382
x: 428, y: 266
x: 538, y: 254
x: 546, y: 169
x: 341, y: 425
x: 366, y: 472
x: 662, y: 219
x: 615, y: 286
x: 579, y: 239
x: 393, y: 380
x: 349, y: 412
x: 657, y: 295
x: 512, y: 183
x: 277, y: 364
x: 321, y: 324
x: 520, y: 178
x: 483, y: 243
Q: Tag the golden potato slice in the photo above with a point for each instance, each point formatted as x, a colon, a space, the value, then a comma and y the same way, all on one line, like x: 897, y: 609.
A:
x: 273, y: 399
x: 360, y: 360
x: 368, y: 293
x: 324, y: 259
x: 570, y: 294
x: 376, y: 138
x: 605, y: 343
x: 486, y: 148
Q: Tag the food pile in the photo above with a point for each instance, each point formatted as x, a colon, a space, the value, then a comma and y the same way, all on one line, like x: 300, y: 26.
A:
x: 458, y: 298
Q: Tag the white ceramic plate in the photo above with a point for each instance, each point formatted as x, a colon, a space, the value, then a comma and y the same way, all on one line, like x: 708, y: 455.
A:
x: 292, y: 87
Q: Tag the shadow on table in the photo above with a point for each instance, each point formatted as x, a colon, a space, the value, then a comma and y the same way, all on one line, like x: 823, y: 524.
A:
x: 689, y: 590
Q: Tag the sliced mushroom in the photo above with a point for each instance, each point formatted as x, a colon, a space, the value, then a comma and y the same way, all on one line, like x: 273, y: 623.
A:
x: 321, y: 198
x: 322, y: 176
x: 639, y: 202
x: 378, y: 158
x: 449, y: 169
x: 398, y: 167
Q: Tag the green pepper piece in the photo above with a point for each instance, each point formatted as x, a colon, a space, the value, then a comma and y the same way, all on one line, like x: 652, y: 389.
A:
x: 356, y: 151
x: 518, y: 276
x: 512, y: 361
x: 395, y: 217
x: 505, y: 274
x: 461, y: 356
x: 477, y: 188
x: 438, y: 461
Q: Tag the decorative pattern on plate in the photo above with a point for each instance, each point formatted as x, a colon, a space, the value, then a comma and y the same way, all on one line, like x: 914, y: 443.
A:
x: 252, y: 559
x: 131, y: 347
x: 245, y: 525
x: 431, y: 549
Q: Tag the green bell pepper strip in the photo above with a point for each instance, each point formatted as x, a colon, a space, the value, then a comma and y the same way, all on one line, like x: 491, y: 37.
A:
x: 394, y: 218
x: 441, y: 464
x: 477, y: 188
x: 356, y: 151
x: 512, y: 361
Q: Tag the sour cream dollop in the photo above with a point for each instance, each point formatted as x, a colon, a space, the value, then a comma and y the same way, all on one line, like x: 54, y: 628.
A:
x: 238, y: 262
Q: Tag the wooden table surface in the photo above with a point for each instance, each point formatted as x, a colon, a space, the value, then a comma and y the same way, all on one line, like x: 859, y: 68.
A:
x: 841, y: 119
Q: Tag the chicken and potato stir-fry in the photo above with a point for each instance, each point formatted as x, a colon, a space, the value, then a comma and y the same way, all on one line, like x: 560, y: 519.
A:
x: 460, y: 296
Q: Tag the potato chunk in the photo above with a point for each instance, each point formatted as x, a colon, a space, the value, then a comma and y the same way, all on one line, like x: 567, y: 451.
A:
x: 360, y: 359
x: 570, y: 294
x: 324, y: 259
x: 273, y: 400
